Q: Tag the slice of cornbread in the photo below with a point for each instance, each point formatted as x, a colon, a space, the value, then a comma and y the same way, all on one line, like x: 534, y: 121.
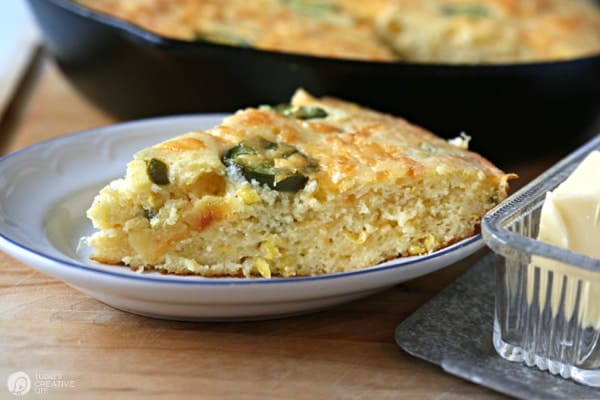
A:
x: 318, y: 186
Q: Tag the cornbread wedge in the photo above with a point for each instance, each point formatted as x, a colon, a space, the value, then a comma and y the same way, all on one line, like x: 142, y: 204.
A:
x: 315, y: 187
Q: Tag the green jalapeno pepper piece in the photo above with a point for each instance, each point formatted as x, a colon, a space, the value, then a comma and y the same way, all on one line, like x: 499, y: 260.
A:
x: 158, y: 172
x: 280, y: 166
x: 312, y: 8
x: 225, y: 38
x: 470, y: 10
x: 300, y: 112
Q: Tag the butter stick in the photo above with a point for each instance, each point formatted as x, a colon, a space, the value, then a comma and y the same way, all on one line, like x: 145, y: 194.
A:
x: 570, y: 219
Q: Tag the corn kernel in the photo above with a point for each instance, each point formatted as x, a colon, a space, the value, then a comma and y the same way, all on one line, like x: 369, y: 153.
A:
x: 416, y: 250
x: 263, y: 268
x: 268, y: 249
x: 248, y: 195
x: 359, y: 238
x: 154, y: 200
x: 429, y: 242
x: 224, y: 249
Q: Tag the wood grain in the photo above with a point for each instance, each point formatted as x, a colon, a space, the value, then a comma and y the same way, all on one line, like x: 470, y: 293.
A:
x: 48, y: 107
x: 346, y: 352
x: 50, y: 329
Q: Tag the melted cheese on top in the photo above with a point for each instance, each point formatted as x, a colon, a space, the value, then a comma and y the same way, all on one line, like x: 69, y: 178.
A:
x: 354, y: 145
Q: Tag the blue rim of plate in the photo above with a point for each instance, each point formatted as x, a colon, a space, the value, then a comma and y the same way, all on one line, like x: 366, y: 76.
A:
x: 157, y: 277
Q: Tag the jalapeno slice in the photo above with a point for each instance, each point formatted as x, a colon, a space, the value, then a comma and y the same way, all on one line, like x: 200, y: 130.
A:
x: 469, y: 10
x: 158, y: 172
x: 225, y: 38
x: 280, y: 166
x: 300, y: 112
x: 312, y: 8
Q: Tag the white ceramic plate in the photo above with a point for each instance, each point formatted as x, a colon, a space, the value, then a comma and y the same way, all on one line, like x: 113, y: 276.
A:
x: 46, y: 189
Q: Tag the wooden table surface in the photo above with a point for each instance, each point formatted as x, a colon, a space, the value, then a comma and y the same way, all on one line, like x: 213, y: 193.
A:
x: 56, y: 334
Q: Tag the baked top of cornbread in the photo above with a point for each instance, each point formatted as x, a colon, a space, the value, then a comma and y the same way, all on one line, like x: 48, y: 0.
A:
x: 317, y: 27
x: 490, y: 31
x: 439, y: 31
x: 311, y: 187
x: 353, y: 145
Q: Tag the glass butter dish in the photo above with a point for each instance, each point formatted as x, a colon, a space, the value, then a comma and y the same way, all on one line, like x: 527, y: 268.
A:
x: 547, y: 311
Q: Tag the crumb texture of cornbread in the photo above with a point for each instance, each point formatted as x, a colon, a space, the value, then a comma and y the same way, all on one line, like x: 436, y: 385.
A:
x: 349, y: 188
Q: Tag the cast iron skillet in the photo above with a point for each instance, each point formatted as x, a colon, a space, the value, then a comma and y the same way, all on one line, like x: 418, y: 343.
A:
x: 511, y: 111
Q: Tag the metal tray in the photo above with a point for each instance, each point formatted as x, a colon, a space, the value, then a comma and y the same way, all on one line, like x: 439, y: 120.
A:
x: 454, y: 331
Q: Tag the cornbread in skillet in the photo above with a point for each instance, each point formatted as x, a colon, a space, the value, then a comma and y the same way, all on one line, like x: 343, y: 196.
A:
x: 316, y: 27
x: 432, y: 31
x: 490, y: 31
x: 316, y: 187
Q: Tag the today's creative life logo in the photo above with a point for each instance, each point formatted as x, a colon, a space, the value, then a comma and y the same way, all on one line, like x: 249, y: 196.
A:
x: 19, y: 383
